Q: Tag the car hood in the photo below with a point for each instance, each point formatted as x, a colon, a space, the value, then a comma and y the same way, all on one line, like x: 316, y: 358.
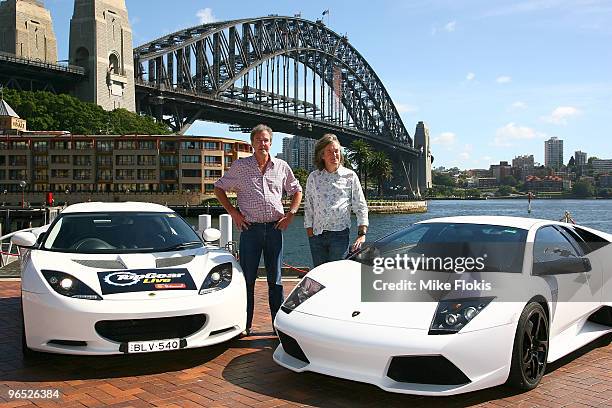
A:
x: 135, y: 276
x: 341, y: 300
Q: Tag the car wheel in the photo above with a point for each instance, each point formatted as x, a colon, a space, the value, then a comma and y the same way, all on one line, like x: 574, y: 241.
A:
x: 530, y: 349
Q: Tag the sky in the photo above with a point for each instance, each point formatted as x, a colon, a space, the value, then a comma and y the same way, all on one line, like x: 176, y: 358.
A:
x: 491, y: 79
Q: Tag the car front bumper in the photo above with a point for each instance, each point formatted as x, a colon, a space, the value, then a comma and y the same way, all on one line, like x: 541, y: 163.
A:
x: 363, y: 352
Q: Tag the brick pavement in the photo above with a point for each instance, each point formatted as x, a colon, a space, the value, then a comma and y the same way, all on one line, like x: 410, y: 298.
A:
x: 241, y: 373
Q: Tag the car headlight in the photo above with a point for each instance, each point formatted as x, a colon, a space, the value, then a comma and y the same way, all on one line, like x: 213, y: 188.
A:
x: 218, y: 278
x: 67, y: 285
x: 452, y: 315
x: 302, y: 292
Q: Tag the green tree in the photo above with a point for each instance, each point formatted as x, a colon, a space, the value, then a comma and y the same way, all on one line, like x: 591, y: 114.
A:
x: 302, y: 176
x: 509, y: 181
x: 381, y: 168
x: 441, y: 179
x: 359, y: 153
x: 473, y: 192
x: 503, y: 191
x: 47, y: 111
x: 582, y: 189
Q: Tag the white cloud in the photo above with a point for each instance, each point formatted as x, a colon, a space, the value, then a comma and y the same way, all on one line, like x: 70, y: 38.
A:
x: 444, y: 139
x: 518, y: 105
x: 406, y: 108
x: 470, y: 76
x: 511, y: 133
x: 560, y: 115
x: 450, y: 26
x: 465, y: 154
x: 206, y: 16
x: 486, y: 159
x: 504, y: 79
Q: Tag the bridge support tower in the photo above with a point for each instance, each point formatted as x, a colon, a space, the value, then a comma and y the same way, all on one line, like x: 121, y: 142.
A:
x: 101, y: 42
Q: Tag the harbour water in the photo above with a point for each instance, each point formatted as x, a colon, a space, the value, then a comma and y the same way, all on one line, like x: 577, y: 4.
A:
x: 591, y: 213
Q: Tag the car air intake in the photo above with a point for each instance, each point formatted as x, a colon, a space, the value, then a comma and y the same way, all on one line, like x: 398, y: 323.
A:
x: 291, y: 347
x: 434, y: 370
x: 101, y: 263
x: 173, y: 261
x: 71, y: 343
x: 150, y: 329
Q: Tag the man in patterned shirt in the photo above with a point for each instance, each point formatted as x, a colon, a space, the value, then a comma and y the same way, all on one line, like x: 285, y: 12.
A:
x: 259, y: 181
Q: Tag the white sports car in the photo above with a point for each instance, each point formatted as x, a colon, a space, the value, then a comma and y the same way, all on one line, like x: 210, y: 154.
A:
x: 452, y: 305
x: 112, y: 278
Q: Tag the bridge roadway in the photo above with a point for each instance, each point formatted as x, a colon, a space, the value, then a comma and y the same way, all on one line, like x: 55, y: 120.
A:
x: 241, y: 373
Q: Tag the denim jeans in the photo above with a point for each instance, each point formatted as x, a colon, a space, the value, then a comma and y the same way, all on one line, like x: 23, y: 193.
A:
x: 256, y: 239
x: 328, y: 246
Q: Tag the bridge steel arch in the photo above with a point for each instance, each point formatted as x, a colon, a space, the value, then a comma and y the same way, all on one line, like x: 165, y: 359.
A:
x: 217, y: 72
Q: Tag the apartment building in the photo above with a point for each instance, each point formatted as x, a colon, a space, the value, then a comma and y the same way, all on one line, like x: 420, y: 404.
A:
x: 60, y: 162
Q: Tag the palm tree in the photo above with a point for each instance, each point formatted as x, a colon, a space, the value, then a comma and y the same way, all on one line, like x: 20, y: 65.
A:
x: 360, y: 152
x: 381, y: 168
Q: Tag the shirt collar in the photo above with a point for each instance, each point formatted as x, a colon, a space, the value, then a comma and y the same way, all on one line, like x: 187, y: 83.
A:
x: 273, y: 161
x: 342, y: 171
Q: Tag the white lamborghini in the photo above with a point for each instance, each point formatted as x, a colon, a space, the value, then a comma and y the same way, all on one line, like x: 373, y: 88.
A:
x: 452, y: 305
x: 112, y: 278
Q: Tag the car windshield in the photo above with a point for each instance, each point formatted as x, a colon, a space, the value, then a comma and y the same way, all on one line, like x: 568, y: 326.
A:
x: 120, y: 232
x: 497, y: 248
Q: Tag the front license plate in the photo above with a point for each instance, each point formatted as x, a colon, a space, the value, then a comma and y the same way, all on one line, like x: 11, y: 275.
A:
x: 154, y: 345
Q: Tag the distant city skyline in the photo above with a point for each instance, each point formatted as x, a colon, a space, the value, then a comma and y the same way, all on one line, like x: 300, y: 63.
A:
x: 492, y: 81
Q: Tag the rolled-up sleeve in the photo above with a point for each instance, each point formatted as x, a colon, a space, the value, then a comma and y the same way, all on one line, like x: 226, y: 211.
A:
x: 292, y: 185
x: 309, y: 202
x: 358, y: 202
x: 230, y: 181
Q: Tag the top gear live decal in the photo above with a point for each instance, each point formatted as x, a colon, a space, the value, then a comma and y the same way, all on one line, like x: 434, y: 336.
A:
x: 145, y: 280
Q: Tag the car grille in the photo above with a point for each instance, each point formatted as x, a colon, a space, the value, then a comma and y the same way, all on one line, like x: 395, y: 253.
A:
x: 436, y: 370
x: 150, y: 329
x: 173, y: 261
x: 291, y: 347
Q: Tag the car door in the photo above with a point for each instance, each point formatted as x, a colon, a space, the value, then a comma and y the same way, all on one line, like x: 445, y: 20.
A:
x: 572, y: 297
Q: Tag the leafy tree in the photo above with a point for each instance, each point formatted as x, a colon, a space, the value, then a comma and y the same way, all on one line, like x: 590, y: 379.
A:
x: 359, y: 153
x: 473, y: 192
x: 509, y: 181
x: 302, y: 176
x: 47, y: 111
x: 441, y: 179
x: 605, y: 192
x: 503, y: 191
x: 582, y: 189
x: 381, y: 168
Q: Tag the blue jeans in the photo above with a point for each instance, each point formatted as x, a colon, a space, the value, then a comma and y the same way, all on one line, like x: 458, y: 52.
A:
x: 328, y: 246
x: 253, y: 241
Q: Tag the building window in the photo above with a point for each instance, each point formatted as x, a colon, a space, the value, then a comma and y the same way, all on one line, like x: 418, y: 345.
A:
x: 168, y: 174
x: 167, y: 160
x: 41, y: 175
x: 148, y: 145
x: 212, y: 160
x: 191, y: 145
x: 126, y: 160
x: 104, y: 145
x: 194, y: 188
x: 126, y: 144
x: 60, y: 173
x: 147, y: 160
x: 81, y: 174
x: 212, y: 173
x: 228, y: 161
x: 209, y: 188
x: 19, y: 145
x: 60, y: 159
x: 167, y: 146
x: 125, y: 174
x: 58, y: 145
x: 191, y: 159
x: 192, y: 173
x: 105, y: 175
x: 40, y: 161
x: 105, y: 160
x: 40, y: 146
x: 82, y: 160
x: 211, y: 146
x: 83, y: 144
x: 18, y: 160
x: 147, y: 174
x: 228, y: 147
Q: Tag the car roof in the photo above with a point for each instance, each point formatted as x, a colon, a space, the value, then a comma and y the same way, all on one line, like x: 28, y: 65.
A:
x: 115, y: 207
x: 504, y: 221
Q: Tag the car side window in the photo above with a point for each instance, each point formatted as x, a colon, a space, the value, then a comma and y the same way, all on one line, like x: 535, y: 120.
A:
x: 550, y: 245
x: 575, y: 239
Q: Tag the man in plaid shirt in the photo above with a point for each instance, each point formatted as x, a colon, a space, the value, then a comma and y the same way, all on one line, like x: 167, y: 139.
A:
x: 259, y: 181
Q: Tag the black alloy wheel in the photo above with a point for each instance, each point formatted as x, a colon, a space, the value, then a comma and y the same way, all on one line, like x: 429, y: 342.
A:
x: 530, y: 350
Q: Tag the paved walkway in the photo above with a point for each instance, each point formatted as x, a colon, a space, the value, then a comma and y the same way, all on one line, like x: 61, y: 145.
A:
x: 241, y: 373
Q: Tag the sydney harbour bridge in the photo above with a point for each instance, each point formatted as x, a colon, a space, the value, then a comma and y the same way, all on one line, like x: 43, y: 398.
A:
x: 296, y: 75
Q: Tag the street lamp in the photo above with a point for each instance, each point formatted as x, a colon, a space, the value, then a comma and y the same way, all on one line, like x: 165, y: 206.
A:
x: 23, y: 184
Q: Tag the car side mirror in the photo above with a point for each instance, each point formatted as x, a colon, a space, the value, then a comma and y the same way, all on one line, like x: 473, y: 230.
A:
x: 211, y: 235
x: 562, y: 266
x: 24, y: 239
